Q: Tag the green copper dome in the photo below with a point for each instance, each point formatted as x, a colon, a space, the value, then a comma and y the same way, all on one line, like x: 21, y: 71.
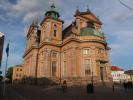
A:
x: 52, y: 12
x: 90, y: 31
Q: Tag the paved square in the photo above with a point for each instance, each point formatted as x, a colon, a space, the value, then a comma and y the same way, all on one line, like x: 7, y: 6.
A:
x: 30, y: 92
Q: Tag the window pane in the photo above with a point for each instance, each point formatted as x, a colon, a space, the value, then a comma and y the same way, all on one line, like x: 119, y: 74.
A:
x: 90, y: 24
x: 55, y: 30
x: 64, y: 55
x: 86, y: 51
x: 54, y: 55
x: 87, y: 67
x: 65, y: 68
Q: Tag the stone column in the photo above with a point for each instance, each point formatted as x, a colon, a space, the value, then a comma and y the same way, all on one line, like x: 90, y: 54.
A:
x: 93, y: 61
x: 74, y: 74
x: 82, y: 72
x: 34, y: 62
x: 47, y: 58
x: 78, y: 25
x: 45, y: 62
x: 47, y: 33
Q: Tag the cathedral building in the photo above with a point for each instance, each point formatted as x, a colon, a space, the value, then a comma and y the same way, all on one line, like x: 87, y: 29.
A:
x: 78, y: 54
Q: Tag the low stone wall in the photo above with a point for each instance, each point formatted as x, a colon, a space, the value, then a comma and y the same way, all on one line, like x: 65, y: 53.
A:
x: 71, y: 81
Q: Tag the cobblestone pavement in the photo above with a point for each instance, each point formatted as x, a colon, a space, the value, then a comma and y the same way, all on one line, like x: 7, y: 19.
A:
x: 30, y: 92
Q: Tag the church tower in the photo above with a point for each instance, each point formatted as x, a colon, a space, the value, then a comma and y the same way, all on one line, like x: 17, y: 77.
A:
x: 52, y: 26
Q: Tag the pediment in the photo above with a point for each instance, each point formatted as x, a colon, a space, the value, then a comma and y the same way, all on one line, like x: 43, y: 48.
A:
x: 92, y: 17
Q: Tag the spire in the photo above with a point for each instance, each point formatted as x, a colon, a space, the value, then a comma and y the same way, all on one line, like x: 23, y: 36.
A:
x: 52, y: 12
x: 36, y: 21
x: 77, y: 11
x: 33, y: 23
x: 88, y: 10
x: 52, y: 6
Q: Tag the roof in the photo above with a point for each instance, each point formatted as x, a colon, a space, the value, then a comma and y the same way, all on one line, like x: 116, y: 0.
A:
x: 129, y: 72
x: 90, y: 31
x: 20, y: 65
x: 67, y: 31
x: 52, y: 12
x: 78, y: 13
x: 116, y: 68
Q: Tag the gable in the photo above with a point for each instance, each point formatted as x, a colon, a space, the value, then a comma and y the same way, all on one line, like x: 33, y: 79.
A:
x: 92, y: 18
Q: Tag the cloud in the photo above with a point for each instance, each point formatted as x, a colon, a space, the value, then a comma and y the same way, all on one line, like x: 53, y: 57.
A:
x: 121, y: 48
x: 4, y: 5
x: 29, y: 17
x: 121, y: 16
x: 117, y: 22
x: 24, y: 9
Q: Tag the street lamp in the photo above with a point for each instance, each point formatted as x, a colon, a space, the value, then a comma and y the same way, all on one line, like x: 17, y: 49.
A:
x: 59, y: 45
x: 93, y: 48
x: 92, y: 77
x: 37, y: 37
x: 120, y: 78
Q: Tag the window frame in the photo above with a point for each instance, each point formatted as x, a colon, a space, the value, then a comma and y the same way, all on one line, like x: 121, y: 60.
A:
x: 87, y: 67
x: 55, y: 30
x: 86, y: 51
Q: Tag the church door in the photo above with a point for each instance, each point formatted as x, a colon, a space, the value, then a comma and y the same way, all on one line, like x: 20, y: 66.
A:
x: 102, y: 73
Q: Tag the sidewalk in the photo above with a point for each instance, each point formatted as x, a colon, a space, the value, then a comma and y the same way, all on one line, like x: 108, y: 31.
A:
x: 31, y: 92
x: 11, y: 94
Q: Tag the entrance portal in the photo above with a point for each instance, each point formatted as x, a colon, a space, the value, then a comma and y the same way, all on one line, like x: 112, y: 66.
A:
x: 102, y: 73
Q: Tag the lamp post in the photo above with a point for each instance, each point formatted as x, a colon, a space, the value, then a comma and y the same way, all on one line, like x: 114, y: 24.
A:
x: 59, y: 45
x: 37, y: 36
x: 4, y: 84
x: 92, y: 78
x: 36, y: 63
x: 93, y: 48
x: 120, y: 78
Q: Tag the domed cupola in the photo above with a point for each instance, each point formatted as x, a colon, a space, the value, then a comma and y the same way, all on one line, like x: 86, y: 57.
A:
x: 52, y: 12
x: 90, y: 31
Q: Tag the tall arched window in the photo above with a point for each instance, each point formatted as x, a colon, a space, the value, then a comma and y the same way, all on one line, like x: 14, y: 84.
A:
x: 53, y: 68
x: 55, y: 30
x: 87, y: 65
x: 90, y: 24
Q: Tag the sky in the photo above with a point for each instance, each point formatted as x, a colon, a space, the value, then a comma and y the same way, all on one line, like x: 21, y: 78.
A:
x: 17, y: 15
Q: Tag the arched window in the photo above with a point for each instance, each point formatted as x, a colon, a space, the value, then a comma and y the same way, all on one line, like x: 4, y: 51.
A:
x: 55, y: 30
x: 53, y: 68
x: 90, y: 24
x: 87, y: 63
x: 54, y: 55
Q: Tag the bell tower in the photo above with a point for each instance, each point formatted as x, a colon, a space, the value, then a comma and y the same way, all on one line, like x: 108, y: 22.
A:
x: 52, y: 25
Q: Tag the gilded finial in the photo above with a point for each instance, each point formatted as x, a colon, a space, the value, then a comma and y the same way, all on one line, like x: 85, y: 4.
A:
x: 77, y: 10
x: 88, y: 10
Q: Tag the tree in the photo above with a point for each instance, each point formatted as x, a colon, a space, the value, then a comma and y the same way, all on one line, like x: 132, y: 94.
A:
x: 9, y: 73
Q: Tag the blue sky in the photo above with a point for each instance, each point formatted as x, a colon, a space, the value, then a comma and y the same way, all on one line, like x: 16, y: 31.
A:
x: 17, y: 15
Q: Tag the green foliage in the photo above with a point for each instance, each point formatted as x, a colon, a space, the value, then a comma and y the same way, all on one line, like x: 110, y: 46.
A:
x: 9, y: 73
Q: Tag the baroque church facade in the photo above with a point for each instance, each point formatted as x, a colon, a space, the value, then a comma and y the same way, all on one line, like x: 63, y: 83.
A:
x: 77, y: 54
